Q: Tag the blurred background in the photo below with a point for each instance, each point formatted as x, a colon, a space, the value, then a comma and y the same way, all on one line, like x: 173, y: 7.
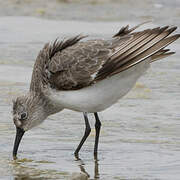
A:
x: 94, y: 10
x: 140, y: 138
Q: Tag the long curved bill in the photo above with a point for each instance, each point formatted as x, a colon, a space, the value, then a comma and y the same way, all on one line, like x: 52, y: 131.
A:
x: 19, y: 134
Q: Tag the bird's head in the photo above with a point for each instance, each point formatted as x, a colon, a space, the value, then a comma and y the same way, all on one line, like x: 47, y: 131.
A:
x: 28, y: 112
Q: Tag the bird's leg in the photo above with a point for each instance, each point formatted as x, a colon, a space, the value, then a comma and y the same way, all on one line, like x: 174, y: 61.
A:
x: 97, y: 127
x: 86, y: 134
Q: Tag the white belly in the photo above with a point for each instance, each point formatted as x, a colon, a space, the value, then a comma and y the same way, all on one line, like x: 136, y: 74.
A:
x: 101, y: 95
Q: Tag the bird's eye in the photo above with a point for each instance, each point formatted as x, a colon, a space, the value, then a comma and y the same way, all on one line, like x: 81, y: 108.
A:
x: 23, y: 116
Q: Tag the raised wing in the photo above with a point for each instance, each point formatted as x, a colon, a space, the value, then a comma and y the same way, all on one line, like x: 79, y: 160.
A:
x: 70, y: 64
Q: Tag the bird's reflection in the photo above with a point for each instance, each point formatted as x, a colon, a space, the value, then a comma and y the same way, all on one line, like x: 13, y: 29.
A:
x: 82, y: 167
x: 96, y: 169
x: 25, y: 171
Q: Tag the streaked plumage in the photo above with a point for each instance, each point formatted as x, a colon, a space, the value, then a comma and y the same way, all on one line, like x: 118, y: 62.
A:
x: 88, y: 75
x: 71, y: 64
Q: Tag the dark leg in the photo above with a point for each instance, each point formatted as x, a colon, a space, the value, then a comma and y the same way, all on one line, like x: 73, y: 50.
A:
x: 86, y: 134
x: 97, y: 127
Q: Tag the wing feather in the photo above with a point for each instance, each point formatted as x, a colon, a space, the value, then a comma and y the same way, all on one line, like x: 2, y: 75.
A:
x: 146, y: 54
x: 150, y: 45
x: 72, y: 64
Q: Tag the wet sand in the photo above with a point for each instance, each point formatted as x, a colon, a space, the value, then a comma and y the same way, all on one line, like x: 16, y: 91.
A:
x: 140, y: 136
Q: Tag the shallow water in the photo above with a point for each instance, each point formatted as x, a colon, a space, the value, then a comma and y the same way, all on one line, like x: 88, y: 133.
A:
x: 140, y: 137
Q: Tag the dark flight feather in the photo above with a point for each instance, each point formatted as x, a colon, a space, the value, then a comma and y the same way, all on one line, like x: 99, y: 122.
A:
x: 72, y: 64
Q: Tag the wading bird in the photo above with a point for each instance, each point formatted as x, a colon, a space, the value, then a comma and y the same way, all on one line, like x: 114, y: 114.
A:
x: 88, y: 76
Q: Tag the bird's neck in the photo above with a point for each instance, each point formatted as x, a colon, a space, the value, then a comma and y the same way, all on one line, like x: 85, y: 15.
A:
x: 50, y: 107
x: 45, y: 105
